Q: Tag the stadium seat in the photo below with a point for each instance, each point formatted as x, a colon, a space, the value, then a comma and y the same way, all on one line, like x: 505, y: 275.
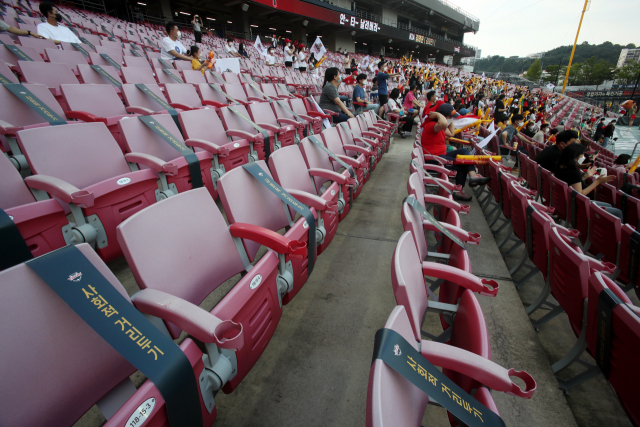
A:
x: 236, y: 92
x: 138, y: 138
x: 50, y: 75
x: 97, y: 187
x: 91, y: 76
x: 290, y: 171
x: 262, y: 114
x: 81, y: 369
x: 69, y: 57
x: 359, y: 161
x: 204, y: 247
x: 183, y: 96
x: 138, y: 75
x: 139, y: 102
x: 42, y: 223
x: 193, y: 77
x: 239, y: 128
x: 246, y: 200
x: 604, y: 234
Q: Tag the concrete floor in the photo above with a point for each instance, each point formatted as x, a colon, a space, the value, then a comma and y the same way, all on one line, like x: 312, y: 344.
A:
x: 315, y: 370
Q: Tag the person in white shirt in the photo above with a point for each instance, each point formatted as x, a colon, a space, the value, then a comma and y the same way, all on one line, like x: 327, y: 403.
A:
x: 231, y: 50
x: 51, y: 30
x: 270, y: 58
x: 302, y: 59
x: 171, y: 48
x: 289, y: 51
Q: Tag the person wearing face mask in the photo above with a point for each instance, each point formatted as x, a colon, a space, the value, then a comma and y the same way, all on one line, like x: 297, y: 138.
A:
x: 539, y: 136
x: 529, y: 129
x: 51, y: 30
x: 270, y: 59
x: 171, y: 48
x: 231, y: 50
x: 548, y: 158
x: 438, y: 126
x: 198, y: 63
x: 507, y: 138
x: 383, y: 92
x: 330, y: 98
x: 289, y: 51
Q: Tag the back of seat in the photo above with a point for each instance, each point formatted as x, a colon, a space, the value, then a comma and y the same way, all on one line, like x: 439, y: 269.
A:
x: 18, y: 114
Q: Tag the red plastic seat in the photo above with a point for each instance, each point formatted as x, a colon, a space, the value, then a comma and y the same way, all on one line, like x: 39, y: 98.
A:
x: 246, y: 200
x: 183, y: 96
x: 193, y: 77
x: 359, y: 161
x: 50, y: 75
x: 559, y: 198
x: 91, y: 76
x: 81, y: 368
x: 236, y: 92
x: 604, y: 233
x: 262, y: 114
x: 138, y: 75
x: 69, y: 57
x: 238, y: 128
x: 298, y: 106
x: 139, y: 102
x: 97, y: 185
x: 292, y: 173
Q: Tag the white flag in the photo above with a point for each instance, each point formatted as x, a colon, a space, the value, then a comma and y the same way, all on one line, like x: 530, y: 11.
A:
x: 483, y: 75
x: 318, y: 49
x: 418, y: 63
x: 485, y: 141
x: 365, y: 62
x: 550, y: 86
x: 260, y: 47
x: 497, y: 75
x: 491, y: 127
x: 373, y: 66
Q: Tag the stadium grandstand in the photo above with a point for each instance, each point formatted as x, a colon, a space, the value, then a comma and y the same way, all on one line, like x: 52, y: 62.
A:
x: 304, y: 213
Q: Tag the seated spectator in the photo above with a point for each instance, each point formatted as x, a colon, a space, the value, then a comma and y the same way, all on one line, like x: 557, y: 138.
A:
x: 607, y: 133
x: 539, y: 136
x: 548, y: 158
x: 242, y: 52
x: 330, y: 98
x: 231, y: 50
x: 439, y: 126
x: 567, y: 170
x: 374, y: 89
x: 195, y: 61
x: 172, y: 48
x: 270, y: 58
x: 507, y: 136
x: 552, y: 135
x: 13, y: 30
x: 360, y: 97
x: 51, y: 30
x: 395, y: 107
x: 529, y: 129
x: 411, y: 103
x: 622, y: 162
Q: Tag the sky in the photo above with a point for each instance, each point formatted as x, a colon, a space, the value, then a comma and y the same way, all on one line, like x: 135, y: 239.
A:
x: 523, y: 27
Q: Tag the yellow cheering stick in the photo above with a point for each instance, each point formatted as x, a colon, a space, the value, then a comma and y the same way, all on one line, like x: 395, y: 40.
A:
x: 633, y: 167
x: 320, y: 62
x: 476, y: 123
x: 485, y: 158
x: 459, y: 141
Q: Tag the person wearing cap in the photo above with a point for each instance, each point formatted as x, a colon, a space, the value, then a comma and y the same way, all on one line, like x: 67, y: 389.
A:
x: 438, y: 126
x: 289, y: 51
x: 360, y: 97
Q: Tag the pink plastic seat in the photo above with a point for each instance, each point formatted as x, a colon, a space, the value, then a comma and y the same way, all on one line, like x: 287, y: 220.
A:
x: 115, y: 54
x: 138, y: 101
x: 254, y: 93
x: 7, y: 73
x: 41, y: 223
x: 97, y: 59
x: 81, y: 368
x: 98, y: 184
x: 183, y: 96
x: 559, y: 198
x: 246, y: 200
x: 604, y: 233
x: 212, y: 97
x: 625, y: 343
x: 362, y: 137
x: 262, y: 114
x: 239, y: 128
x: 204, y: 246
x: 40, y: 45
x: 236, y: 92
x: 137, y: 137
x: 205, y: 125
x: 290, y: 171
x: 138, y: 75
x: 91, y: 76
x: 348, y: 140
x: 606, y: 193
x: 168, y: 77
x: 231, y: 78
x: 193, y: 77
x: 50, y: 75
x: 69, y: 57
x: 138, y: 62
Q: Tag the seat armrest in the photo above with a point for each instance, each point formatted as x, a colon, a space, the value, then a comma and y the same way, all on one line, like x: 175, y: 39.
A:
x: 292, y: 122
x: 369, y: 141
x: 442, y: 161
x: 207, y: 146
x: 60, y: 189
x: 462, y: 278
x: 270, y: 239
x: 182, y: 106
x: 443, y: 201
x: 371, y: 134
x: 140, y: 110
x: 465, y: 236
x: 214, y: 103
x: 440, y: 169
x: 542, y: 208
x: 197, y: 322
x: 246, y: 135
x: 312, y: 118
x: 446, y: 184
x: 85, y: 117
x: 349, y: 161
x: 152, y: 162
x: 318, y: 203
x: 329, y: 113
x: 333, y: 176
x: 270, y: 127
x: 357, y: 148
x: 603, y: 266
x: 255, y: 99
x: 479, y: 368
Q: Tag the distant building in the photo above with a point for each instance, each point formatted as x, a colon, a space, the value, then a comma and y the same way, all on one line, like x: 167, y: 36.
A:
x: 478, y: 53
x: 628, y: 57
x: 536, y: 55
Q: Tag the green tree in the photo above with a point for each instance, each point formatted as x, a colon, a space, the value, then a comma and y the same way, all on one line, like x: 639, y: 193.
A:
x: 534, y: 71
x: 627, y: 74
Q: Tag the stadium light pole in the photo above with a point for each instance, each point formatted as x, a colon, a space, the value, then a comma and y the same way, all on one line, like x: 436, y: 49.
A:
x: 566, y: 78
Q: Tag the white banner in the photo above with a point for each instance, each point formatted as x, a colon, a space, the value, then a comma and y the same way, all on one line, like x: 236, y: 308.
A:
x: 485, y: 141
x: 318, y: 49
x: 260, y: 47
x: 228, y: 64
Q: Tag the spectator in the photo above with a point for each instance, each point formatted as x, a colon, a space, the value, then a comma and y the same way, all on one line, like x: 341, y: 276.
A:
x: 560, y: 127
x: 302, y: 59
x: 289, y: 51
x: 437, y: 128
x: 622, y: 162
x: 242, y: 51
x: 411, y: 103
x: 347, y: 63
x: 632, y: 116
x: 607, y: 133
x: 539, y: 136
x: 374, y: 89
x: 395, y: 107
x: 196, y: 65
x: 51, y: 30
x: 529, y: 129
x: 230, y: 49
x: 382, y: 76
x: 172, y: 48
x: 270, y: 59
x: 552, y: 135
x: 13, y: 30
x: 599, y: 128
x: 500, y: 114
x: 360, y: 97
x: 548, y: 158
x: 197, y: 30
x: 330, y: 98
x: 431, y: 103
x: 567, y: 170
x: 507, y: 136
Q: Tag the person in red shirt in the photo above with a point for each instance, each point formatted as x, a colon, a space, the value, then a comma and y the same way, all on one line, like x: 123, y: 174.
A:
x: 438, y: 126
